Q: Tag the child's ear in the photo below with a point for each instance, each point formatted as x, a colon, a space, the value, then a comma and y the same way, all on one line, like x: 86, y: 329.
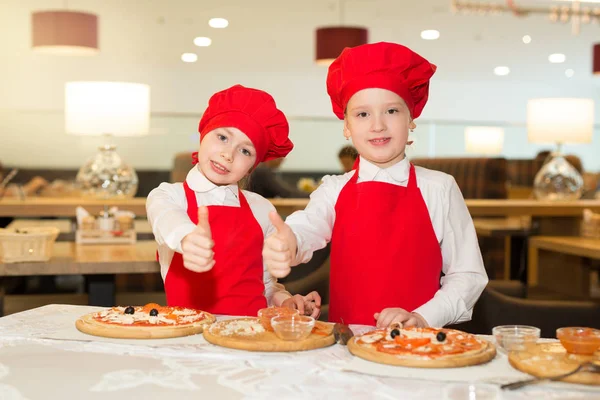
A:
x: 347, y: 133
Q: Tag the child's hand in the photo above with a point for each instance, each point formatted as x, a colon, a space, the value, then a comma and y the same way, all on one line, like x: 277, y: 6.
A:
x: 280, y: 248
x: 197, y: 245
x: 306, y: 305
x: 389, y: 316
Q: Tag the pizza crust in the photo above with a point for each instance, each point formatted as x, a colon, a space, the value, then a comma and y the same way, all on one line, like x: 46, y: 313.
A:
x: 369, y: 352
x: 220, y: 335
x: 87, y: 324
x: 551, y: 359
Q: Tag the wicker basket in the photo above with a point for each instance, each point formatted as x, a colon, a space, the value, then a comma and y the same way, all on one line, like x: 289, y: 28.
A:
x: 590, y: 225
x: 25, y: 245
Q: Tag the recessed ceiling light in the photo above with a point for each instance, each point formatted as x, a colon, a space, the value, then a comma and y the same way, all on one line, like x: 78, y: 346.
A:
x: 430, y: 34
x: 218, y: 23
x: 189, y: 57
x: 526, y: 39
x: 502, y: 71
x: 557, y: 58
x: 201, y: 41
x: 569, y: 73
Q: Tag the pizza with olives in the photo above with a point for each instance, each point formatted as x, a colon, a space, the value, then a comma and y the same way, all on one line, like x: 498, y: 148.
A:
x: 422, y: 347
x: 151, y: 321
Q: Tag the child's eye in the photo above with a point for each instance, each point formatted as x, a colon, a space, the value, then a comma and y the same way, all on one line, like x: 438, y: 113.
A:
x: 246, y: 152
x: 362, y: 114
x: 393, y: 111
x: 222, y: 138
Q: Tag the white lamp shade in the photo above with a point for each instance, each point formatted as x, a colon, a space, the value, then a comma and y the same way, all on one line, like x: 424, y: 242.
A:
x: 116, y: 108
x: 484, y: 140
x: 560, y: 120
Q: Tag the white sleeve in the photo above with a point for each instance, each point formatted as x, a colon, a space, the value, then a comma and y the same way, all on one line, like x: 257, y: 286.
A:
x: 274, y: 291
x: 313, y: 226
x: 465, y: 275
x: 166, y: 208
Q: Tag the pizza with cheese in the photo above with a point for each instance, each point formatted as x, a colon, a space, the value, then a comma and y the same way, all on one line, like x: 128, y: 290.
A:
x: 151, y: 321
x: 250, y: 334
x: 422, y: 347
x: 545, y: 360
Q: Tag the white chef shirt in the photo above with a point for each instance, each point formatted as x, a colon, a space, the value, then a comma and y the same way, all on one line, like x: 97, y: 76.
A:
x: 166, y: 207
x: 465, y: 276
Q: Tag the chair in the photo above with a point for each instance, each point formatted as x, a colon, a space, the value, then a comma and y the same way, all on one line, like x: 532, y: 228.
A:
x: 502, y: 303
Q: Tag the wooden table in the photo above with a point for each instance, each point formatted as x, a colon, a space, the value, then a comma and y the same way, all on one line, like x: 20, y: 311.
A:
x: 534, y: 208
x: 99, y: 262
x: 65, y: 207
x: 514, y: 231
x: 563, y: 264
x: 500, y: 227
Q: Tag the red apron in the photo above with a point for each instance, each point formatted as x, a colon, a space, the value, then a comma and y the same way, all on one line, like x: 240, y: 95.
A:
x: 384, y: 252
x: 234, y: 286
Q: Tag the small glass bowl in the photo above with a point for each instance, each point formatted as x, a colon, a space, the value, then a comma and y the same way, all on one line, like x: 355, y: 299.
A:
x: 516, y: 337
x: 293, y: 327
x: 266, y: 314
x: 579, y: 340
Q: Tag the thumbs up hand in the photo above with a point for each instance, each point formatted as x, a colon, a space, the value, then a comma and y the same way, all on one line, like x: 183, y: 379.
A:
x: 279, y: 250
x: 197, y: 246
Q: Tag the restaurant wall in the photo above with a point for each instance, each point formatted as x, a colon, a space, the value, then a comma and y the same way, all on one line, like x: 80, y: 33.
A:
x: 143, y: 44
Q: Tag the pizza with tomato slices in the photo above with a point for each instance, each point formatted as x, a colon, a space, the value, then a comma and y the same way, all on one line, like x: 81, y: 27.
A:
x: 151, y: 321
x: 422, y: 347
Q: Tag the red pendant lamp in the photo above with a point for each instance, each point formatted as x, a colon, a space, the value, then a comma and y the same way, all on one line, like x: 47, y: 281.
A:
x: 64, y: 32
x: 596, y: 59
x: 332, y: 40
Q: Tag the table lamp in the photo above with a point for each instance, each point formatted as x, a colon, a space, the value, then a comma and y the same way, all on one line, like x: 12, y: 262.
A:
x: 108, y: 109
x: 559, y: 121
x: 484, y: 140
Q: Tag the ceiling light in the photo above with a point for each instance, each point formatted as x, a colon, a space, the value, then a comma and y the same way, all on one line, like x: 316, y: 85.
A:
x: 64, y: 32
x: 201, y: 41
x: 218, y: 23
x: 430, y: 34
x: 501, y: 71
x: 526, y: 39
x: 569, y: 73
x: 557, y: 58
x: 331, y: 40
x: 189, y: 57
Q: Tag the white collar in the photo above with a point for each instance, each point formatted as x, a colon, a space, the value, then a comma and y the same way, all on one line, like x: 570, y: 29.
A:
x: 398, y: 172
x: 200, y: 183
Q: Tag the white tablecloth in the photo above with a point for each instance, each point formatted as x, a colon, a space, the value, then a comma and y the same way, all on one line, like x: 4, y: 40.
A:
x: 42, y: 356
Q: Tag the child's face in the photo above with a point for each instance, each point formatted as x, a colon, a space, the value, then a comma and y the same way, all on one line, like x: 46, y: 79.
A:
x: 226, y: 155
x: 378, y: 120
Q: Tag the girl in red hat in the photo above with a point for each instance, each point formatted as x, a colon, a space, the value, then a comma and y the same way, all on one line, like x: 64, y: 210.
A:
x: 210, y: 233
x: 394, y: 228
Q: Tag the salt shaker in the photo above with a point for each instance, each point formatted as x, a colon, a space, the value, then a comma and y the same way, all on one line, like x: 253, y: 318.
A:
x: 106, y: 222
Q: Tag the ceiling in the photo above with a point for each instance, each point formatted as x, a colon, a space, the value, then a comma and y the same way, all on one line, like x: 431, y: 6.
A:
x: 274, y: 38
x: 278, y: 34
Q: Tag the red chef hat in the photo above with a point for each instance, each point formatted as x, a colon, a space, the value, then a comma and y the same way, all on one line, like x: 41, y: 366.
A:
x: 380, y: 65
x: 253, y: 112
